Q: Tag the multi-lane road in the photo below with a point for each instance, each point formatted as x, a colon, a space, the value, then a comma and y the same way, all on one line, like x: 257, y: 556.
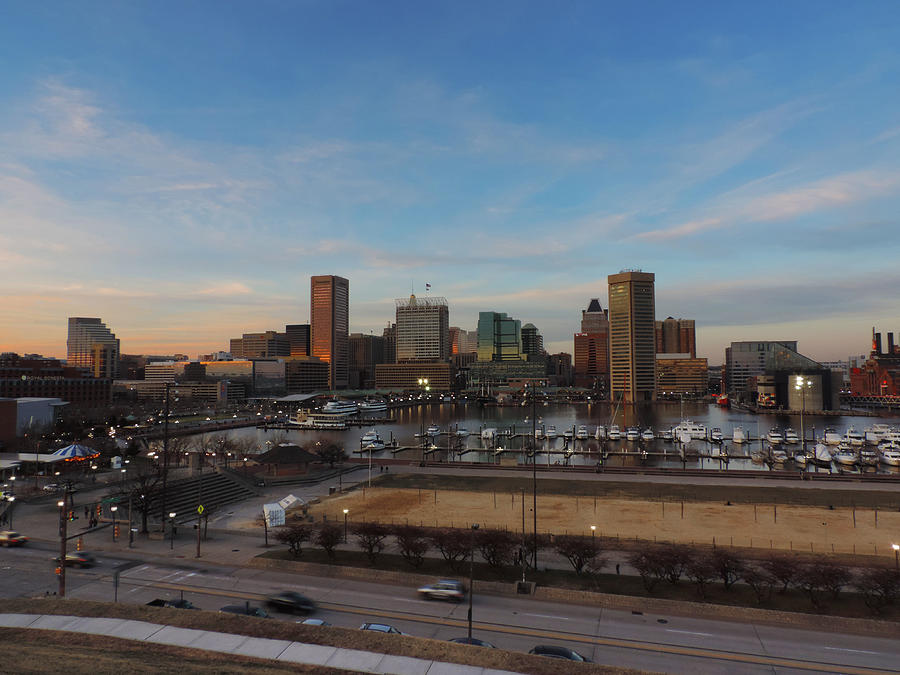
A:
x: 651, y: 642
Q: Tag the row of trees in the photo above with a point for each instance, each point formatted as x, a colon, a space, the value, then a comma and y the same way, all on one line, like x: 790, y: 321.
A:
x: 656, y: 564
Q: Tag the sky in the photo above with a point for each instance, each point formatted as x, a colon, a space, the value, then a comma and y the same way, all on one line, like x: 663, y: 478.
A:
x: 180, y: 169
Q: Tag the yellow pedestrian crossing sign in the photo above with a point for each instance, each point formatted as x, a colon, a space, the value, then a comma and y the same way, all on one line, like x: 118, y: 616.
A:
x: 200, y: 509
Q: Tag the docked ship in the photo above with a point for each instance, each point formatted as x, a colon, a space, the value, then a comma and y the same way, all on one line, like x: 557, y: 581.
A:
x: 739, y: 436
x: 340, y: 407
x: 318, y: 420
x: 373, y: 406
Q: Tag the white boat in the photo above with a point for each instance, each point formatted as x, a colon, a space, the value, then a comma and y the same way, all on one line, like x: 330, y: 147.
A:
x: 694, y: 430
x: 739, y: 436
x: 822, y: 455
x: 716, y: 435
x: 854, y: 437
x: 488, y: 434
x: 538, y: 432
x: 892, y: 435
x: 339, y: 406
x: 370, y: 437
x: 791, y: 437
x: 432, y: 430
x: 774, y: 437
x: 614, y: 434
x: 868, y: 457
x: 569, y: 434
x: 647, y: 435
x: 550, y: 432
x: 890, y: 457
x: 832, y: 437
x: 373, y: 406
x: 778, y: 456
x: 667, y: 435
x: 632, y: 434
x: 802, y: 459
x: 582, y: 433
x: 846, y: 457
x: 600, y: 433
x: 877, y: 433
x: 318, y: 420
x: 462, y: 432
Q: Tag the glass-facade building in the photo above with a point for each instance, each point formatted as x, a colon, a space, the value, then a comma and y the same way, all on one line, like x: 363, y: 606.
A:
x: 499, y: 337
x: 90, y: 344
x: 329, y: 314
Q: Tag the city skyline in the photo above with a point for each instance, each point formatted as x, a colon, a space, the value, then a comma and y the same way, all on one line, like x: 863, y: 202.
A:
x: 183, y: 179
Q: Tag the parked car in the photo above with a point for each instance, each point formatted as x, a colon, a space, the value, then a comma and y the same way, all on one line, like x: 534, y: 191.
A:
x: 12, y: 538
x: 292, y: 602
x: 380, y: 628
x: 314, y: 622
x: 79, y: 559
x: 557, y: 652
x: 246, y: 610
x: 472, y: 641
x: 177, y: 604
x: 445, y: 589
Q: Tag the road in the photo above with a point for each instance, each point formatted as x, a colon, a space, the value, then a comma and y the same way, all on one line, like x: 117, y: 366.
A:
x: 650, y: 642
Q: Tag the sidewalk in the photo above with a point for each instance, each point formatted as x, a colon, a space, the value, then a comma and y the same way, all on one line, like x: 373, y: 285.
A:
x: 229, y: 643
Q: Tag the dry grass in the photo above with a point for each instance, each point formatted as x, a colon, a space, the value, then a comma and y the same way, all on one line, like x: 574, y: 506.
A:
x: 339, y: 637
x: 30, y: 651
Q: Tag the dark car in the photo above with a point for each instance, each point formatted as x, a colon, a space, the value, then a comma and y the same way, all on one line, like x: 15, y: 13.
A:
x: 246, y: 610
x: 445, y: 589
x: 80, y: 559
x: 557, y: 652
x: 472, y: 641
x: 380, y: 628
x: 12, y: 538
x: 177, y: 604
x: 291, y: 602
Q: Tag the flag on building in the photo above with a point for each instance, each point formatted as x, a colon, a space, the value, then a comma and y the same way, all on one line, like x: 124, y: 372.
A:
x: 427, y: 287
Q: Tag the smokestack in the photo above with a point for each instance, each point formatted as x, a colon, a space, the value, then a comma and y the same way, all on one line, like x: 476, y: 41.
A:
x: 877, y: 343
x: 890, y: 345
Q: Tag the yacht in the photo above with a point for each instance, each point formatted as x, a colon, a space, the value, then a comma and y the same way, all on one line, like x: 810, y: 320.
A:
x: 778, y: 456
x: 632, y: 434
x: 340, y: 407
x: 369, y: 437
x: 690, y: 428
x: 569, y: 434
x: 876, y: 433
x: 868, y: 457
x: 538, y: 432
x: 462, y: 432
x: 582, y: 433
x: 614, y: 434
x: 716, y: 435
x: 667, y: 435
x: 648, y: 436
x: 739, y: 436
x: 432, y: 430
x: 891, y: 457
x: 846, y: 457
x: 550, y: 433
x: 774, y: 437
x: 832, y: 437
x: 600, y: 433
x: 791, y: 437
x: 854, y: 437
x: 892, y: 435
x: 822, y: 455
x: 373, y: 406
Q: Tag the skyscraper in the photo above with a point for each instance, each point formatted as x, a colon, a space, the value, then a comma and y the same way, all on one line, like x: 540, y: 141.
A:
x: 298, y: 338
x: 592, y: 348
x: 632, y: 331
x: 676, y: 336
x: 92, y: 345
x: 532, y: 340
x: 329, y: 318
x: 423, y: 330
x: 499, y: 337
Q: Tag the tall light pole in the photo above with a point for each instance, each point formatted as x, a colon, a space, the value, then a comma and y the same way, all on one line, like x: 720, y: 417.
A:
x: 61, y: 504
x: 113, y: 509
x: 346, y: 513
x: 9, y: 511
x: 896, y: 548
x: 801, y: 384
x: 471, y: 574
x: 172, y: 515
x: 534, y: 474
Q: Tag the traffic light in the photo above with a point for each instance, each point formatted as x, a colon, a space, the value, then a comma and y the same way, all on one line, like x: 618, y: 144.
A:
x: 99, y: 509
x: 79, y: 545
x: 58, y: 570
x: 116, y: 531
x: 71, y: 515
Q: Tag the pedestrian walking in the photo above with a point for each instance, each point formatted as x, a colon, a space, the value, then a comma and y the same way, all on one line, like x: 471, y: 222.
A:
x: 617, y: 568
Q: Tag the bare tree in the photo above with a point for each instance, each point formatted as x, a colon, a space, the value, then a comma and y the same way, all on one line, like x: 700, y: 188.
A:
x: 329, y: 453
x: 673, y: 559
x: 648, y: 567
x: 581, y: 552
x: 328, y: 537
x: 760, y: 581
x: 293, y: 536
x: 412, y: 542
x: 727, y: 566
x: 454, y: 545
x: 370, y: 538
x: 498, y: 547
x: 782, y: 568
x: 879, y: 586
x: 702, y: 572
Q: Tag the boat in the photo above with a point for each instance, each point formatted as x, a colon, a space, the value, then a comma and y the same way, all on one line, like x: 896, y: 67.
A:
x: 722, y: 401
x: 791, y: 437
x: 716, y: 435
x: 632, y: 434
x: 614, y: 434
x: 538, y: 432
x: 692, y: 429
x: 854, y: 437
x: 488, y: 434
x: 846, y: 457
x: 778, y: 456
x: 339, y: 406
x: 462, y: 432
x: 832, y: 437
x: 370, y: 437
x: 569, y: 434
x: 648, y: 436
x: 774, y: 437
x: 600, y: 433
x: 868, y: 457
x: 877, y: 433
x: 667, y: 435
x: 803, y: 458
x: 739, y: 436
x: 892, y: 435
x: 432, y: 430
x: 318, y: 420
x: 822, y: 455
x: 890, y: 457
x: 582, y: 433
x: 373, y: 406
x: 550, y: 432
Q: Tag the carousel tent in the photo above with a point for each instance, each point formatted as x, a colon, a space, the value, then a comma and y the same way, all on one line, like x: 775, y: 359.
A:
x: 75, y: 451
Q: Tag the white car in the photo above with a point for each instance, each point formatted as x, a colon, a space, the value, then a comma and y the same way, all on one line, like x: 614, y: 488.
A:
x: 445, y: 589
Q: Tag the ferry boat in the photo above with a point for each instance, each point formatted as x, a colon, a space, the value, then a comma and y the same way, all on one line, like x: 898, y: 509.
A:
x: 373, y: 406
x: 582, y: 433
x: 340, y: 407
x: 832, y: 437
x: 648, y: 436
x: 614, y: 434
x: 774, y: 437
x: 739, y: 436
x: 318, y: 420
x: 854, y: 437
x: 791, y: 437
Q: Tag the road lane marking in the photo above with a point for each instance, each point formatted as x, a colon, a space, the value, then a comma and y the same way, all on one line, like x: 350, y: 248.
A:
x: 547, y: 616
x: 688, y: 632
x: 856, y: 651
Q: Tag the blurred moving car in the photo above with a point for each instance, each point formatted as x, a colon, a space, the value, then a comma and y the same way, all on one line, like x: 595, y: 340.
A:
x: 472, y: 641
x: 246, y: 609
x: 292, y: 602
x: 12, y: 538
x: 79, y: 559
x: 177, y: 604
x: 445, y: 589
x: 314, y: 622
x: 52, y: 487
x: 380, y: 628
x: 557, y: 652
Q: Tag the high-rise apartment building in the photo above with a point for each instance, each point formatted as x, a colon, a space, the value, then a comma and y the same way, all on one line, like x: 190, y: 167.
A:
x: 329, y: 318
x: 499, y: 337
x: 423, y: 330
x: 592, y: 348
x: 676, y: 336
x: 92, y: 345
x: 632, y: 336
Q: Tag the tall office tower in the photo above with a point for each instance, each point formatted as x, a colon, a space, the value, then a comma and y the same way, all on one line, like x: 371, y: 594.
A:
x: 676, y: 336
x: 423, y: 330
x: 366, y: 352
x: 92, y: 345
x: 499, y: 337
x: 632, y: 336
x: 298, y: 338
x: 592, y: 348
x: 329, y: 318
x: 389, y: 334
x: 454, y: 340
x: 532, y: 340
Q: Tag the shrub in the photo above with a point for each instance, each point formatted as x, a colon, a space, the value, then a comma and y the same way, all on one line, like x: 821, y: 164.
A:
x: 293, y: 537
x: 328, y: 537
x: 370, y: 538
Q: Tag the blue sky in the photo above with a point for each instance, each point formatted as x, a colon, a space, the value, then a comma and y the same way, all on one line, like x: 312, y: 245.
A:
x: 181, y: 169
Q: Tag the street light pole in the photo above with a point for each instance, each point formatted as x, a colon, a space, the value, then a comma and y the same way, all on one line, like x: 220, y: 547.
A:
x: 534, y: 473
x: 114, y: 509
x: 801, y: 385
x: 896, y: 548
x: 165, y: 469
x: 346, y: 512
x: 471, y: 574
x: 172, y: 515
x: 62, y: 547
